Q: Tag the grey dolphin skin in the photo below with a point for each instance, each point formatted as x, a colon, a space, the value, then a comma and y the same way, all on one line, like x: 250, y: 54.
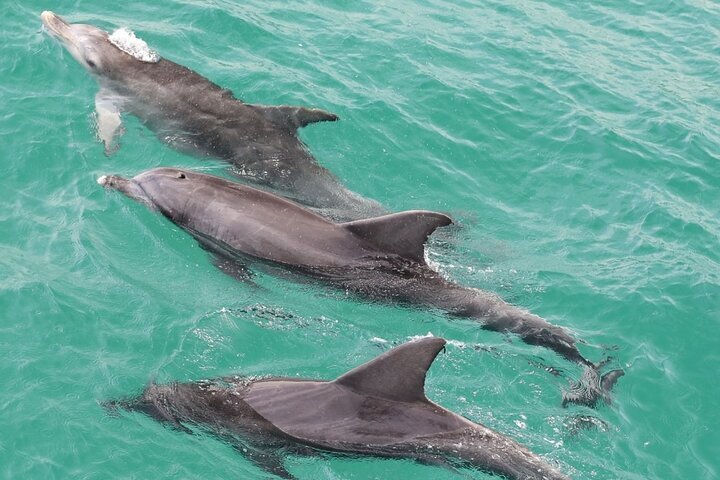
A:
x: 379, y: 258
x: 378, y: 409
x: 194, y: 115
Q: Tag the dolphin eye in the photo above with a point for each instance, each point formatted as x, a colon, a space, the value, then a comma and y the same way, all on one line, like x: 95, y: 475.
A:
x: 90, y: 63
x: 180, y: 175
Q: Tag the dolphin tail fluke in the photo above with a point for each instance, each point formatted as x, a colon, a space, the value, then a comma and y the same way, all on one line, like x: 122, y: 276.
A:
x: 592, y: 386
x: 607, y: 382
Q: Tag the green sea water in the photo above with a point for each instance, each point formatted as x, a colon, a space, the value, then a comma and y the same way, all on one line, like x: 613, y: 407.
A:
x: 575, y: 144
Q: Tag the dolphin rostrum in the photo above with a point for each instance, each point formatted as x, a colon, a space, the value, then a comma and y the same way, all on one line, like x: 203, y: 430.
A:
x: 380, y: 258
x: 194, y: 115
x: 378, y: 409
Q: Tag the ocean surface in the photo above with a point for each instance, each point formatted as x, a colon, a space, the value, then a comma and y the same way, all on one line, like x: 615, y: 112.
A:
x: 575, y: 144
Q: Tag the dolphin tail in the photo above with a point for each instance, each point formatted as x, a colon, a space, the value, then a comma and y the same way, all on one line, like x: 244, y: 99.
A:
x: 607, y: 382
x: 592, y: 386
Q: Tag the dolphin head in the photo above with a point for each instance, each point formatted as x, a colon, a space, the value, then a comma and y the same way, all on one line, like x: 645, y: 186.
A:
x: 92, y: 47
x: 156, y: 401
x: 163, y: 189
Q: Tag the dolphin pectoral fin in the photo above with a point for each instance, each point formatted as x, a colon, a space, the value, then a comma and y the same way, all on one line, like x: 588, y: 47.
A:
x: 438, y: 462
x: 234, y: 269
x: 109, y: 123
x: 268, y: 461
x: 226, y: 262
x: 306, y: 116
x: 295, y: 117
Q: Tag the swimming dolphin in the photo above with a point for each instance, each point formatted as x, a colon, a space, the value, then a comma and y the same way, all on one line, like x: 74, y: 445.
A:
x: 377, y: 409
x: 380, y: 258
x: 194, y: 115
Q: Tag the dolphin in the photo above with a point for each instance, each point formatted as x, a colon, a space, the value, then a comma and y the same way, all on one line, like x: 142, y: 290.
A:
x: 194, y: 115
x: 377, y: 409
x: 381, y: 258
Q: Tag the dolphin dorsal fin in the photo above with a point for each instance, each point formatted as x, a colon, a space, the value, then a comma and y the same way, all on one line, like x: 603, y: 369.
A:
x: 403, y: 233
x: 398, y: 374
x: 295, y: 117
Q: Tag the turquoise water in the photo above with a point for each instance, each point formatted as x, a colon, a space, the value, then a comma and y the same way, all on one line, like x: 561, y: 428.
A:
x: 575, y: 144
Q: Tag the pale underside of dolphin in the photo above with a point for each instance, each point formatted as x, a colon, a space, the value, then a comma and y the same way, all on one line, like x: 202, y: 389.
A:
x: 377, y: 409
x: 194, y: 115
x: 380, y: 258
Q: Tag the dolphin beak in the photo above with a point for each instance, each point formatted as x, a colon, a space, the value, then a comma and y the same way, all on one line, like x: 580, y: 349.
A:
x: 116, y: 182
x: 56, y: 25
x: 130, y: 188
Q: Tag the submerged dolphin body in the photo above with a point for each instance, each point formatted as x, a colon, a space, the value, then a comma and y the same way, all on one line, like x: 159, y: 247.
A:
x: 194, y: 115
x: 378, y: 409
x: 380, y: 258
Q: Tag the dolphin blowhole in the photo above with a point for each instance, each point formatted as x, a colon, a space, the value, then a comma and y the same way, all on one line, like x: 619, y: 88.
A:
x: 125, y: 39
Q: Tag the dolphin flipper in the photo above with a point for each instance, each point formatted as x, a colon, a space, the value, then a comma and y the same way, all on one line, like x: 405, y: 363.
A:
x: 227, y: 263
x: 445, y: 464
x: 109, y: 123
x: 295, y: 117
x: 235, y: 270
x: 267, y: 461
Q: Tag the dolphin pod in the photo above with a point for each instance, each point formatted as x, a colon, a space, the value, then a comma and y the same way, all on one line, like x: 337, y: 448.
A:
x: 377, y: 409
x: 332, y: 236
x: 192, y: 114
x: 380, y: 258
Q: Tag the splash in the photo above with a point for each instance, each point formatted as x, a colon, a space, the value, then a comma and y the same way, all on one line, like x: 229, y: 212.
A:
x: 126, y: 41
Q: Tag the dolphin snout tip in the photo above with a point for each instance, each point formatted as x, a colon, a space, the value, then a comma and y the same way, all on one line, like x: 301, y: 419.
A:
x: 103, y: 181
x: 54, y: 23
x: 47, y: 16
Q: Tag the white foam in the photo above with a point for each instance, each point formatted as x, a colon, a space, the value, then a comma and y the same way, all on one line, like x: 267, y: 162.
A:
x: 457, y: 343
x: 418, y: 337
x: 125, y: 40
x: 454, y: 343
